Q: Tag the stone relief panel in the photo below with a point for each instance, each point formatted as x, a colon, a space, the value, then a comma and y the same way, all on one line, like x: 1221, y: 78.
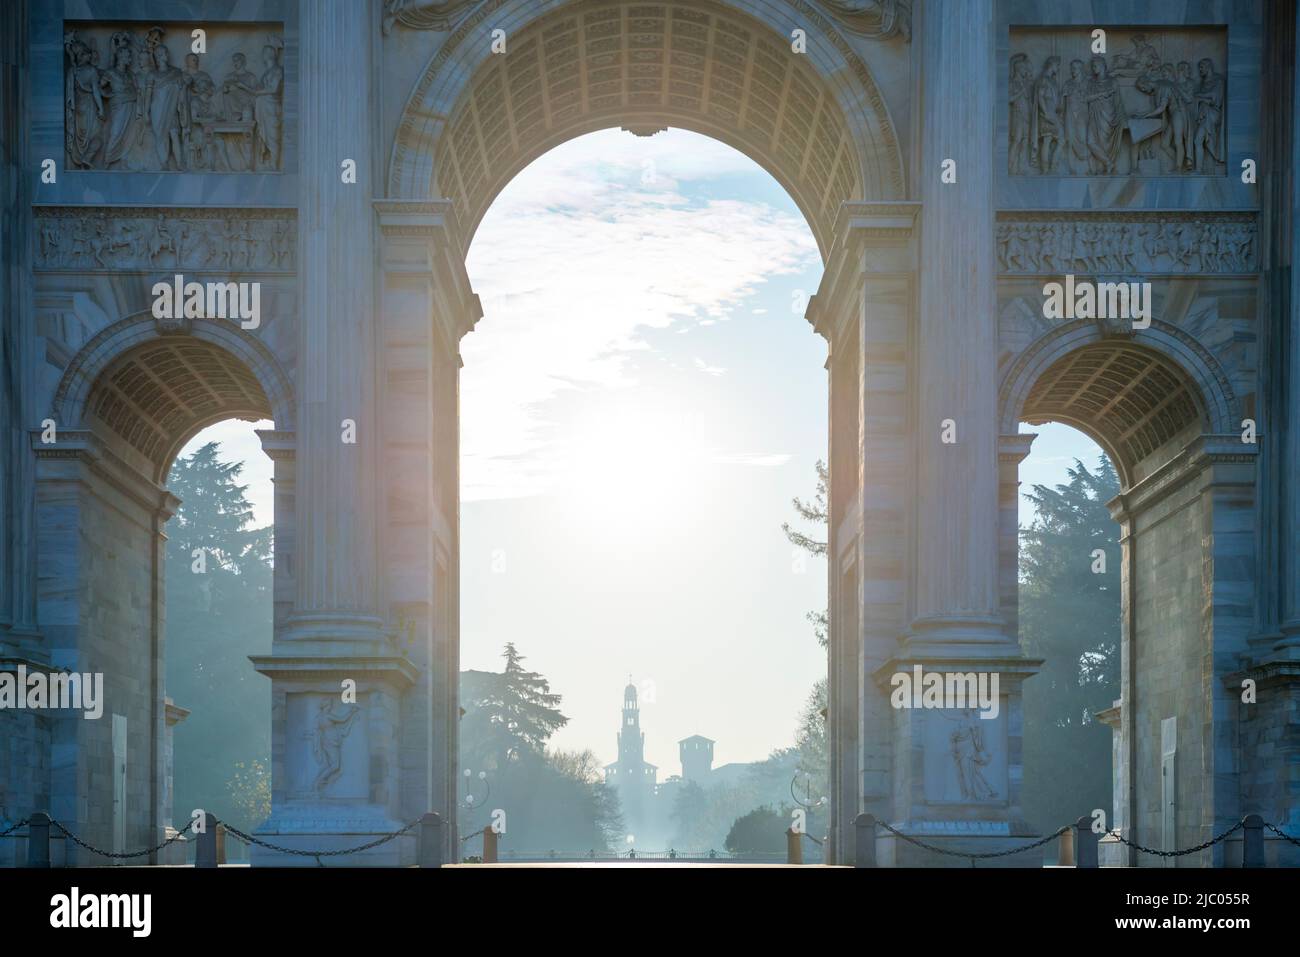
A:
x: 137, y: 98
x: 327, y: 753
x: 1127, y: 243
x: 1152, y: 105
x: 965, y: 758
x: 239, y: 240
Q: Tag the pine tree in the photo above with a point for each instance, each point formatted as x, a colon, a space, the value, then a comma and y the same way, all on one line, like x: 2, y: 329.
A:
x: 219, y: 611
x: 1070, y: 617
x: 509, y: 715
x: 818, y: 513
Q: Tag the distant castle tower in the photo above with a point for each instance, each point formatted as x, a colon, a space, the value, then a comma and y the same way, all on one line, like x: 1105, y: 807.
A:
x: 631, y: 775
x: 697, y: 757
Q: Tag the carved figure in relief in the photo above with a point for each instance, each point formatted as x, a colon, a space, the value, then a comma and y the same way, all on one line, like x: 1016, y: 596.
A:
x: 119, y: 91
x: 280, y: 244
x: 1074, y: 108
x: 268, y: 110
x: 1209, y: 96
x: 164, y: 104
x: 144, y: 113
x: 83, y: 105
x: 327, y: 741
x: 199, y: 113
x: 970, y: 756
x: 1106, y: 118
x: 1046, y: 132
x: 51, y: 246
x: 1142, y: 61
x: 1132, y: 114
x: 1021, y: 95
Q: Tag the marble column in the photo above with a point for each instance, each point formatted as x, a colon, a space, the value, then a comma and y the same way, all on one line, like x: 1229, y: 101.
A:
x: 864, y: 308
x: 954, y: 625
x: 1285, y: 122
x: 339, y: 674
x: 18, y: 634
x: 337, y: 501
x: 956, y: 568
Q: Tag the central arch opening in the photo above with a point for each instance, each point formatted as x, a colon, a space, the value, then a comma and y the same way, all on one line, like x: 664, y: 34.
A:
x: 640, y: 404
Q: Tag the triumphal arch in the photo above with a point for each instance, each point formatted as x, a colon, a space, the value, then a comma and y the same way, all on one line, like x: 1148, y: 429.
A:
x: 953, y: 158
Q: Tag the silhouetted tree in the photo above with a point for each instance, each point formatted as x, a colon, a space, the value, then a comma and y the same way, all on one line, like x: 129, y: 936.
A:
x: 219, y: 611
x: 818, y: 513
x: 1070, y: 616
x: 555, y: 800
x: 761, y: 831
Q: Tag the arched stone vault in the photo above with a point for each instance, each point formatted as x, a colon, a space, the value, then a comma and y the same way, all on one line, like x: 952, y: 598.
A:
x: 157, y: 391
x: 816, y: 122
x: 1132, y: 395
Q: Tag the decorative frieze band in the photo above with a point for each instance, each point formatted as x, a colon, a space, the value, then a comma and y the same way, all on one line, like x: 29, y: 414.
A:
x: 1128, y: 243
x: 86, y: 239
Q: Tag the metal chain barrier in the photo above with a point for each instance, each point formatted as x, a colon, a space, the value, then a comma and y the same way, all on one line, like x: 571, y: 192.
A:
x: 973, y: 856
x: 299, y: 852
x: 124, y: 855
x: 233, y: 831
x: 1191, y: 850
x: 1282, y: 834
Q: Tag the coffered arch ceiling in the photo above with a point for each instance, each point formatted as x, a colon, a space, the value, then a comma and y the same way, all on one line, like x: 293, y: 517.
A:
x: 816, y: 121
x: 1131, y: 398
x: 157, y: 396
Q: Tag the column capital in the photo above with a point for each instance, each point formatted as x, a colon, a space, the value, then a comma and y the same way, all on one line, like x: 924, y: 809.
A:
x: 421, y: 238
x: 435, y: 219
x: 1013, y: 448
x: 871, y: 240
x: 278, y: 445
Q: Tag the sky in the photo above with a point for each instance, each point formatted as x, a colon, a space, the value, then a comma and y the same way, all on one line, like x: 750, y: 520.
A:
x: 639, y: 404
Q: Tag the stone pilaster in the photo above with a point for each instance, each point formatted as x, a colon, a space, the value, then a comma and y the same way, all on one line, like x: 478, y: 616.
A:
x: 1284, y: 288
x: 956, y: 572
x: 338, y: 674
x: 865, y: 308
x: 337, y: 558
x: 1012, y: 450
x: 19, y: 639
x: 426, y: 306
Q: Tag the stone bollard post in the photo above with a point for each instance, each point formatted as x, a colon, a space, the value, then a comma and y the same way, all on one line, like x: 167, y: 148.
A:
x: 1085, y: 843
x: 38, y: 840
x: 489, y: 845
x: 205, y: 851
x: 1252, y: 841
x: 1065, y: 848
x: 793, y: 847
x: 865, y: 828
x: 429, y: 853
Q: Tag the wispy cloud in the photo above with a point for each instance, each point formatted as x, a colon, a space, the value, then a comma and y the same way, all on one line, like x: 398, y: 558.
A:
x: 587, y: 250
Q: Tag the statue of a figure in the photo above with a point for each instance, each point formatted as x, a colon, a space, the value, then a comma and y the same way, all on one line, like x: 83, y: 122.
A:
x: 121, y: 95
x: 83, y: 105
x: 164, y: 104
x: 327, y: 742
x: 236, y: 87
x: 970, y: 757
x: 1045, y: 126
x: 1074, y: 109
x: 199, y: 89
x: 1020, y: 90
x: 1142, y: 61
x: 879, y: 19
x: 1106, y: 119
x: 423, y: 14
x: 1208, y: 138
x: 268, y: 107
